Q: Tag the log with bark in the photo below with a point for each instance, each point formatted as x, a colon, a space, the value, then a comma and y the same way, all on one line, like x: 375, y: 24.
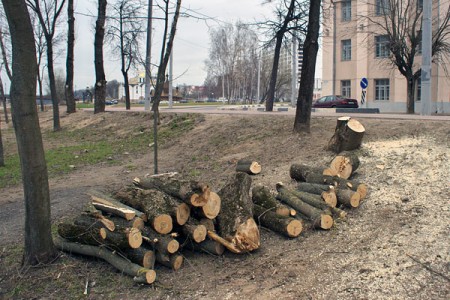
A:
x: 90, y: 221
x: 347, y: 136
x: 248, y: 166
x: 82, y: 234
x: 141, y: 256
x: 172, y: 261
x: 287, y: 226
x: 125, y: 238
x: 262, y: 196
x: 136, y: 222
x: 211, y: 209
x: 300, y: 172
x: 314, y: 200
x: 125, y: 213
x: 337, y: 182
x: 345, y: 164
x: 191, y: 192
x: 208, y: 246
x: 162, y: 243
x: 348, y: 197
x: 327, y: 192
x: 194, y: 231
x: 99, y: 197
x: 235, y: 221
x: 89, y: 209
x: 208, y: 223
x: 139, y: 273
x: 318, y: 217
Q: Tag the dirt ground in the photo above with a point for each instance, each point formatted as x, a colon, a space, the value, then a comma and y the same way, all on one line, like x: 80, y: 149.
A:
x: 396, y: 245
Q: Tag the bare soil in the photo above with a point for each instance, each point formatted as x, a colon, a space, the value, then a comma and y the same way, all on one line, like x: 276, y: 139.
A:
x: 396, y: 245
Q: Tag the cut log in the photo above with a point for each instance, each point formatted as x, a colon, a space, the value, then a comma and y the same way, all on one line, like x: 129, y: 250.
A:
x: 116, y: 211
x: 82, y: 234
x: 99, y: 197
x: 335, y: 181
x: 287, y: 226
x: 120, y: 223
x: 141, y: 256
x: 319, y: 218
x: 208, y: 223
x: 140, y: 274
x: 90, y: 221
x: 347, y: 136
x: 248, y: 166
x: 300, y: 172
x: 191, y: 192
x: 348, y: 197
x: 345, y: 164
x: 173, y: 261
x: 159, y: 242
x: 89, y: 209
x: 327, y: 192
x: 212, y: 207
x: 262, y: 196
x: 314, y: 200
x: 235, y: 221
x: 208, y: 246
x: 127, y: 238
x: 194, y: 230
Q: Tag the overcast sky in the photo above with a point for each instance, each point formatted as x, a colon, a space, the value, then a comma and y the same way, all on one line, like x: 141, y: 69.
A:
x: 191, y: 41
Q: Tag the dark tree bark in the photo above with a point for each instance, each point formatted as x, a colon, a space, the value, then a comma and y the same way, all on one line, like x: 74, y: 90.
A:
x: 70, y: 99
x: 39, y: 247
x: 3, y: 98
x: 276, y: 58
x: 100, y: 78
x: 8, y: 73
x: 305, y: 93
x: 48, y: 23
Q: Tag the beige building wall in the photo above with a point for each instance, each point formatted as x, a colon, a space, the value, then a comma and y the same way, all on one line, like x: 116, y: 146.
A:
x: 364, y: 64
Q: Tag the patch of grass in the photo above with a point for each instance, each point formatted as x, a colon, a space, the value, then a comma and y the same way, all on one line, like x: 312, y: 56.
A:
x: 85, y: 105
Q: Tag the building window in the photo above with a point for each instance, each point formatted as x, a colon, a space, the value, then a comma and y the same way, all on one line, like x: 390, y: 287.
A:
x: 419, y: 89
x: 346, y: 89
x: 419, y: 4
x: 382, y: 89
x: 346, y: 10
x: 381, y: 7
x: 346, y: 49
x: 382, y: 46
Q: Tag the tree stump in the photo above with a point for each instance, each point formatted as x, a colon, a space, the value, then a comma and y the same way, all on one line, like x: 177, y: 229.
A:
x: 347, y: 136
x: 235, y: 221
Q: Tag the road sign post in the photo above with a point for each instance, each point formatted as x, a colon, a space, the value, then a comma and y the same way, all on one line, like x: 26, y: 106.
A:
x: 364, y: 84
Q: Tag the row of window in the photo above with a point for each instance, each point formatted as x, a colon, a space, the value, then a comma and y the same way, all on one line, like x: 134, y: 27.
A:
x: 382, y: 89
x: 381, y: 8
x: 381, y: 47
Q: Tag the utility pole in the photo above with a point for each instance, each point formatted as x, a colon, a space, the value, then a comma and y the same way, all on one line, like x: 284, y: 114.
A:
x: 426, y: 59
x: 258, y: 85
x: 148, y: 56
x: 170, y: 79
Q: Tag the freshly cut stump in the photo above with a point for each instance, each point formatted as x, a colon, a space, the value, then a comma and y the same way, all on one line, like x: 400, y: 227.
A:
x: 347, y: 136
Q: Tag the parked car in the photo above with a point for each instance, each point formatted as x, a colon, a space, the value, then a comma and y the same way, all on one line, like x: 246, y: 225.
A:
x: 336, y: 101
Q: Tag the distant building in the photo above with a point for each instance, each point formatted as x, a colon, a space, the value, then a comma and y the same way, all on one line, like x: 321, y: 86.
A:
x: 355, y: 49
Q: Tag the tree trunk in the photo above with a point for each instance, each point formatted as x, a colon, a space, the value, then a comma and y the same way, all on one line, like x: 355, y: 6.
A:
x: 141, y: 275
x: 127, y: 91
x: 235, y: 220
x: 39, y: 248
x: 327, y: 192
x: 248, y: 166
x: 274, y: 75
x: 345, y: 164
x: 318, y: 217
x: 70, y: 99
x: 410, y: 90
x: 2, y: 95
x: 305, y: 93
x: 52, y: 81
x: 347, y: 136
x: 262, y: 196
x: 100, y: 79
x: 287, y: 226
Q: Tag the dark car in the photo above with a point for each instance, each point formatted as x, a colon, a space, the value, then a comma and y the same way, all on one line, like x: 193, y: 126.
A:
x: 336, y: 101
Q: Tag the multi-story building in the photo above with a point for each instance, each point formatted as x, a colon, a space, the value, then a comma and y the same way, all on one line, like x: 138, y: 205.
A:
x: 355, y: 48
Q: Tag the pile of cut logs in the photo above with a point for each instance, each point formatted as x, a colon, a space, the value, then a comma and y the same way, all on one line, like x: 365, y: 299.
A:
x: 155, y: 218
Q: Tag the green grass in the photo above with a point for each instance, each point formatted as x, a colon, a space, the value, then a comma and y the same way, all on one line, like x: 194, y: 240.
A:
x: 85, y: 146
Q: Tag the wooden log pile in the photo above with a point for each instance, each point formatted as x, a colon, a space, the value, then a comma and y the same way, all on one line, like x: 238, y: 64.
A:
x: 150, y: 222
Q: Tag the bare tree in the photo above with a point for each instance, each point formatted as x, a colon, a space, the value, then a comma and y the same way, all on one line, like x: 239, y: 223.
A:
x: 306, y: 91
x: 7, y: 69
x: 399, y: 23
x: 112, y: 88
x: 166, y: 50
x: 126, y: 32
x: 48, y: 12
x: 39, y: 248
x: 291, y: 16
x: 70, y: 99
x: 3, y: 98
x: 100, y: 78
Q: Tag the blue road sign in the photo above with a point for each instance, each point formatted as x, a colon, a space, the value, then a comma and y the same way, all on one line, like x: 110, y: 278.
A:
x: 364, y: 83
